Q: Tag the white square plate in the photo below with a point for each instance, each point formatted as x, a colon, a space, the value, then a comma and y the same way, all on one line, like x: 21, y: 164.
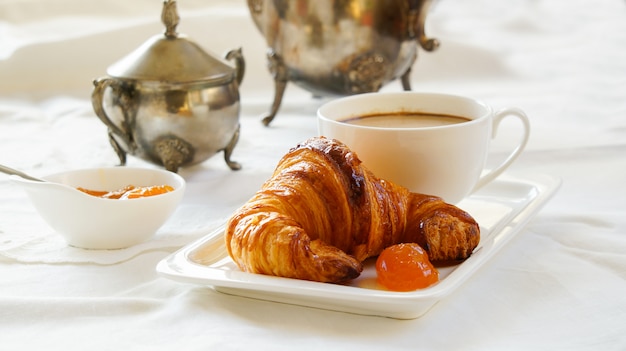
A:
x: 501, y: 208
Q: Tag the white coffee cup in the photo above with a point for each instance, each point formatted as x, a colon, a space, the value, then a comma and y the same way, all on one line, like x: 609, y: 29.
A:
x: 446, y: 160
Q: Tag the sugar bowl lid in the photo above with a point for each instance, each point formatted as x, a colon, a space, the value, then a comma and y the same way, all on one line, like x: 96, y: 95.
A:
x: 171, y: 58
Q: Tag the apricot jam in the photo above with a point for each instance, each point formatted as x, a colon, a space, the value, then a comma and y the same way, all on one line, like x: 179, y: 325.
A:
x: 129, y: 192
x: 405, y: 267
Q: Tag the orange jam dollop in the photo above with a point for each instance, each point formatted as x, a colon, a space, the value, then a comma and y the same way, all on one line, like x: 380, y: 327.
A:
x: 130, y: 192
x: 405, y: 267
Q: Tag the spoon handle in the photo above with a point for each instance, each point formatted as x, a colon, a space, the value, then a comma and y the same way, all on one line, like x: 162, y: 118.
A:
x: 9, y: 170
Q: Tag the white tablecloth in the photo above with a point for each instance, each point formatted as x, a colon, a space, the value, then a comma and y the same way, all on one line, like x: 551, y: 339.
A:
x: 559, y: 285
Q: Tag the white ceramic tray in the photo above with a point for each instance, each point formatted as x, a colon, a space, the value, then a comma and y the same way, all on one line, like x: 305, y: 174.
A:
x: 501, y: 208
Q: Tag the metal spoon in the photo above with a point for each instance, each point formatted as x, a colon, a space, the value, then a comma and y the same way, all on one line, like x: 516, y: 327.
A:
x: 11, y: 171
x: 38, y: 184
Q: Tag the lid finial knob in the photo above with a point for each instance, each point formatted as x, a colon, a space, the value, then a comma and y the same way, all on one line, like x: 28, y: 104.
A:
x: 170, y: 18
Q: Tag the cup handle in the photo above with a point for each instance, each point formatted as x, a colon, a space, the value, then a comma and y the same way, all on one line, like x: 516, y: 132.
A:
x: 497, y: 118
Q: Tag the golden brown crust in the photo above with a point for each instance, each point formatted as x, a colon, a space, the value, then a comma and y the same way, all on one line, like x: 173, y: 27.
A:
x: 322, y: 213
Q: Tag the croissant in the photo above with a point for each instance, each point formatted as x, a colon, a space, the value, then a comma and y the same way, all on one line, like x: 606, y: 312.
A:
x: 322, y: 213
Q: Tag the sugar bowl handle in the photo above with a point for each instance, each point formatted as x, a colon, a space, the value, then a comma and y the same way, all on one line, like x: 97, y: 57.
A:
x: 240, y: 63
x: 97, y: 96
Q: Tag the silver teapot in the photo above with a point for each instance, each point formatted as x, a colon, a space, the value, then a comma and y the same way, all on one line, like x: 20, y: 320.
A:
x: 169, y: 102
x: 340, y: 47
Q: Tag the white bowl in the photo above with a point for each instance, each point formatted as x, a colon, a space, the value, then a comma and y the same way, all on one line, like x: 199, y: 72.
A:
x: 92, y: 222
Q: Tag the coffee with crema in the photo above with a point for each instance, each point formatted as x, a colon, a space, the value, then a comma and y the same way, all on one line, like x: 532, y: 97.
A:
x: 405, y: 120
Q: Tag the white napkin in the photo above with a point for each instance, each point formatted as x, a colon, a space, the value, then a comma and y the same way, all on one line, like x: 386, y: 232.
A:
x: 188, y: 223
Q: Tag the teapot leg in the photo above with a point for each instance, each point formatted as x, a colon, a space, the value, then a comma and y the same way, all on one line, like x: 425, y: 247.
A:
x: 280, y: 74
x: 228, y: 151
x: 121, y: 154
x: 406, y: 80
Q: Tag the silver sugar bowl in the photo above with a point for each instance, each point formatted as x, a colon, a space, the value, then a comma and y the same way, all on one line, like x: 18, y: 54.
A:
x: 340, y: 47
x: 171, y: 103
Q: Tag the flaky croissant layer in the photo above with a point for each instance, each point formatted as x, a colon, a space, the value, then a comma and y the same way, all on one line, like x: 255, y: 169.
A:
x: 322, y: 213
